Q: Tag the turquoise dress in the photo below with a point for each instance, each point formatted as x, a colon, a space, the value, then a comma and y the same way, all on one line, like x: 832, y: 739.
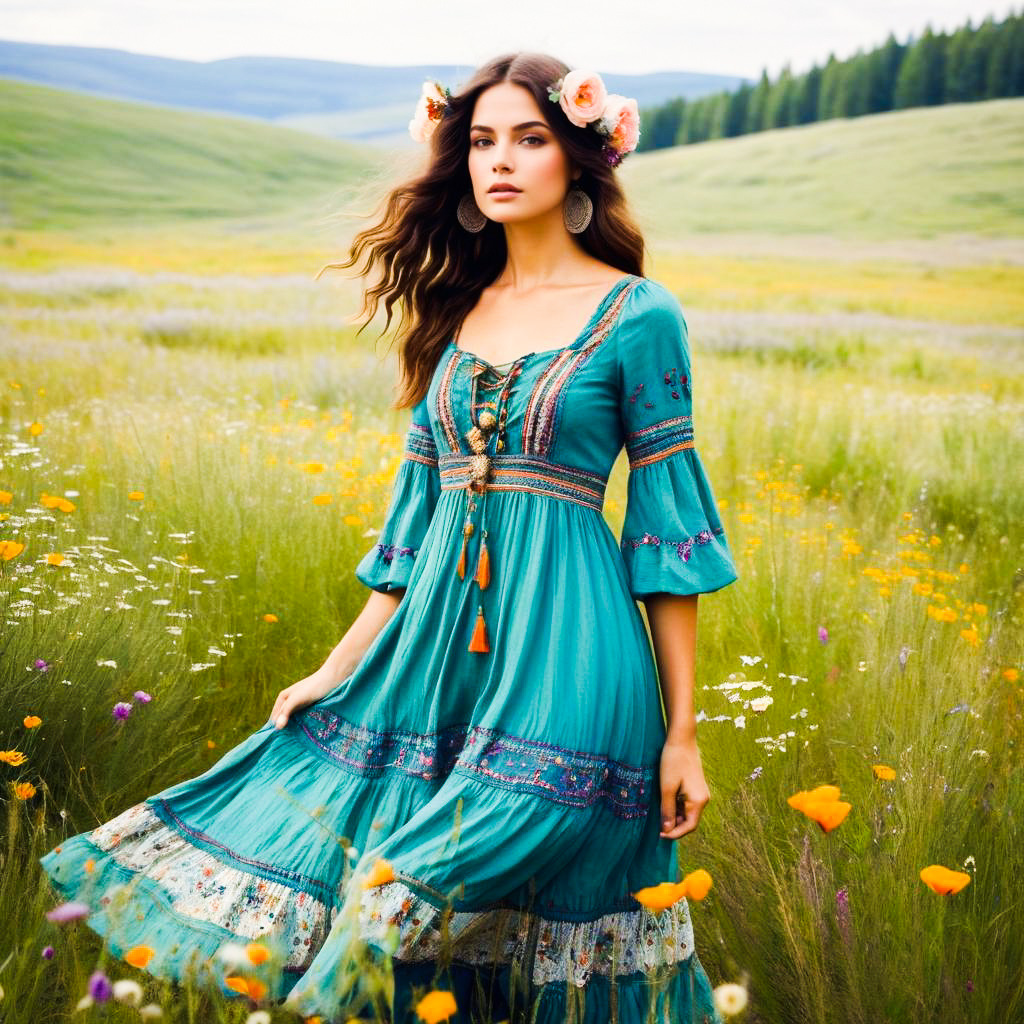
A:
x: 498, y: 744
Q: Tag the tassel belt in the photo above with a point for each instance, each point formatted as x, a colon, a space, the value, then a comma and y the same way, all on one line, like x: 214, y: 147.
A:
x: 538, y: 475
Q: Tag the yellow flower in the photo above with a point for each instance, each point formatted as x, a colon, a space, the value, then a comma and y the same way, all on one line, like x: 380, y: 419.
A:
x: 883, y: 771
x: 941, y: 879
x: 251, y: 987
x: 54, y: 558
x: 270, y: 617
x: 35, y: 429
x: 1011, y: 675
x: 821, y: 805
x: 660, y: 896
x: 65, y: 506
x: 12, y: 757
x: 258, y: 953
x: 322, y: 499
x: 6, y: 497
x: 24, y: 790
x: 31, y: 721
x: 136, y: 495
x: 381, y: 873
x: 313, y: 467
x: 9, y: 549
x: 805, y: 796
x: 436, y: 1006
x: 210, y: 744
x: 697, y: 884
x: 139, y: 956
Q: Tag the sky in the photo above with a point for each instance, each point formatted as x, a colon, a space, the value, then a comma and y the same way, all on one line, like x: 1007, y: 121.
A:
x: 734, y: 37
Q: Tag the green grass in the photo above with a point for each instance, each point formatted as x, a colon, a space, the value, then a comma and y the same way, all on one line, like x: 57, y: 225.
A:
x: 858, y: 407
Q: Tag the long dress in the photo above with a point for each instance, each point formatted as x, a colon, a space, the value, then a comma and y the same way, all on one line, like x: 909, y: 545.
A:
x: 496, y: 750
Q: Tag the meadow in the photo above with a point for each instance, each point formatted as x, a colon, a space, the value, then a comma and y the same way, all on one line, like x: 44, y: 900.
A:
x: 196, y: 448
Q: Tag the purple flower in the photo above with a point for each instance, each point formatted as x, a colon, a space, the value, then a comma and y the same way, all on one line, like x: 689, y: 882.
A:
x: 41, y: 665
x: 99, y: 987
x: 142, y: 697
x: 970, y: 985
x: 843, y: 913
x: 823, y: 634
x: 122, y: 709
x: 68, y: 912
x: 47, y: 952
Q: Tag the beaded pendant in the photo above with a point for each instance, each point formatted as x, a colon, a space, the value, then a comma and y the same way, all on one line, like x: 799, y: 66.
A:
x: 485, y: 426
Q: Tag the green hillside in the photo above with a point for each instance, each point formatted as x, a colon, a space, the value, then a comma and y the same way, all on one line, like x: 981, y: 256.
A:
x: 70, y: 161
x: 904, y: 174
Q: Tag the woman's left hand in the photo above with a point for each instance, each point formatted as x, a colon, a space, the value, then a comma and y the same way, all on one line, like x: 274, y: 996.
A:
x: 684, y: 791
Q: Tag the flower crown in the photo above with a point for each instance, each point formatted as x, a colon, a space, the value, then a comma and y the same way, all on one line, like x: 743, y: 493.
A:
x: 581, y: 94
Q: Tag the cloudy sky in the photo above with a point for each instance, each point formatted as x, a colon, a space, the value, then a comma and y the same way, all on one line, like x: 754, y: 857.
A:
x: 737, y: 37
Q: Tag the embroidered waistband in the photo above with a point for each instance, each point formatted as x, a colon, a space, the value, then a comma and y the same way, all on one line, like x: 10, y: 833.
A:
x: 533, y: 473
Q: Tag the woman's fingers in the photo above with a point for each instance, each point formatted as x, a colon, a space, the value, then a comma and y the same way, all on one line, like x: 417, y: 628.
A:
x: 280, y: 709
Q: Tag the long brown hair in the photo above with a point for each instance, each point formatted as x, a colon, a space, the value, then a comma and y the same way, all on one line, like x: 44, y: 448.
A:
x: 436, y: 269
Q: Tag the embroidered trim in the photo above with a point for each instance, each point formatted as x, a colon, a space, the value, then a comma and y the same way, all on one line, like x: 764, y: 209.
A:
x: 198, y: 886
x: 514, y: 472
x: 683, y: 547
x: 543, y: 410
x: 659, y: 440
x: 420, y: 445
x: 445, y: 412
x: 614, y: 945
x: 560, y: 774
x: 387, y: 552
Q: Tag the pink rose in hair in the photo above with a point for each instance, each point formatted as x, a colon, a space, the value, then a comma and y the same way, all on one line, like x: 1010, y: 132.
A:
x: 623, y: 120
x: 428, y: 112
x: 583, y: 97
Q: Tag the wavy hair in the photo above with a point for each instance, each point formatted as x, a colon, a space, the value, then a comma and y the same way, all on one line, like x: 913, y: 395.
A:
x: 432, y: 266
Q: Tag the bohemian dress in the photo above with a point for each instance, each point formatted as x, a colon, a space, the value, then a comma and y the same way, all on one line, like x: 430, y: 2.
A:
x: 475, y: 804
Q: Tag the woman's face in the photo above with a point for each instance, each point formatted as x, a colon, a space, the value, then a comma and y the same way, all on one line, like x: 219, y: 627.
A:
x: 510, y: 141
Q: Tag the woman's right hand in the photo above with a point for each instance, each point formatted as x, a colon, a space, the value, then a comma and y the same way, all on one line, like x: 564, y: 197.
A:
x: 297, y: 696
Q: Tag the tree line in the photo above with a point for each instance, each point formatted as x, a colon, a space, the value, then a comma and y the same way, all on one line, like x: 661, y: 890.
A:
x: 963, y: 66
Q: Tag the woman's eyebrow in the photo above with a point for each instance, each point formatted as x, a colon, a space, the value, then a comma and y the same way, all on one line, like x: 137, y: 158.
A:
x: 515, y: 128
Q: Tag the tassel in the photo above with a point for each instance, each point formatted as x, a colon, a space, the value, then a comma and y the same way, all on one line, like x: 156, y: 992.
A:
x: 483, y: 566
x: 479, y: 641
x: 461, y: 568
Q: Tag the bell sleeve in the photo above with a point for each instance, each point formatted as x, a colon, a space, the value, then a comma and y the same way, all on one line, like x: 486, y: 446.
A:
x: 672, y: 538
x: 388, y: 564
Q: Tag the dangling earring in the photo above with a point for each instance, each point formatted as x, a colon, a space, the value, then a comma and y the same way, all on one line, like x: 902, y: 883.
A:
x: 470, y: 215
x: 577, y: 210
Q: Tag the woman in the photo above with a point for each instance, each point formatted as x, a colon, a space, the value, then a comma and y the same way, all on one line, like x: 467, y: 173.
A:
x: 473, y: 786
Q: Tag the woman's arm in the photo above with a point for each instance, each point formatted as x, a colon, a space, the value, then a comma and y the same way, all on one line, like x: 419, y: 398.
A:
x: 341, y: 662
x: 684, y: 790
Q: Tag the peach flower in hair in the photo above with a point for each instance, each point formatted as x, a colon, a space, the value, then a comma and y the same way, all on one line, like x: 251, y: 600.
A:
x: 622, y: 119
x: 428, y: 112
x: 583, y: 97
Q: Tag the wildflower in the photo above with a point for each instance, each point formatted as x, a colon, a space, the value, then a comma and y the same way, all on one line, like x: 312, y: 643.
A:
x: 257, y: 953
x: 48, y: 952
x: 54, y: 558
x: 729, y: 998
x: 84, y: 1003
x: 232, y: 954
x: 322, y: 499
x: 1011, y: 675
x: 10, y: 549
x: 142, y: 697
x: 122, y: 709
x: 270, y: 617
x: 35, y: 429
x: 251, y: 987
x: 99, y: 987
x: 941, y: 879
x: 24, y: 790
x: 31, y: 721
x: 40, y: 665
x: 12, y: 757
x: 258, y: 1017
x: 660, y: 896
x: 139, y: 956
x: 6, y: 497
x: 436, y: 1006
x: 136, y: 495
x: 843, y: 912
x: 127, y: 991
x: 822, y: 805
x: 883, y: 771
x: 70, y: 911
x: 823, y: 634
x: 696, y: 884
x: 150, y: 1012
x: 379, y: 874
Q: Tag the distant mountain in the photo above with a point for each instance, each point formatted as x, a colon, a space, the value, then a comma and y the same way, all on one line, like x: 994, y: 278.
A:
x: 360, y: 102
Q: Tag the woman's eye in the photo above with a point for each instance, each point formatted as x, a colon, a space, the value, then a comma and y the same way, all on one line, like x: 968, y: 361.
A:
x: 535, y: 138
